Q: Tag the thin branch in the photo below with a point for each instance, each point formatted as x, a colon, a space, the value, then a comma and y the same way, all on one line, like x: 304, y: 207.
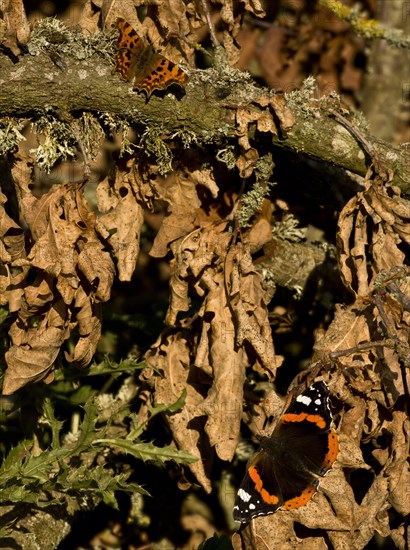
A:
x: 366, y: 28
x: 207, y: 14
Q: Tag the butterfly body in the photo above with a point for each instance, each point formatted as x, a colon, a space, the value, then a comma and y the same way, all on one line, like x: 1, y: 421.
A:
x: 284, y: 473
x: 138, y: 62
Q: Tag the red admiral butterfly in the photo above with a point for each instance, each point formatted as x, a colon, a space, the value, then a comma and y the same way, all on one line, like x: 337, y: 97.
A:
x: 283, y: 474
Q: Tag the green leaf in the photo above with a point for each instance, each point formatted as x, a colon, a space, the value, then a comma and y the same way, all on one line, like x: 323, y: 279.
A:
x: 216, y: 543
x: 105, y: 367
x: 87, y: 428
x: 11, y: 464
x: 137, y: 430
x: 148, y: 451
x: 172, y: 407
x: 55, y: 424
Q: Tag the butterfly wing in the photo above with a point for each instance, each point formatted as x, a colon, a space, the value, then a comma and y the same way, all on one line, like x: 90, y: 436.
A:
x: 135, y: 60
x: 284, y: 472
x: 130, y: 48
x: 158, y: 73
x: 305, y: 429
x: 254, y: 498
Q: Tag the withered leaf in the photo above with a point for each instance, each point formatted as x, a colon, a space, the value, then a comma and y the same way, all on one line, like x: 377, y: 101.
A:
x: 12, y: 249
x: 171, y: 356
x: 179, y: 191
x: 34, y: 350
x: 233, y: 310
x: 14, y: 26
x: 88, y: 319
x: 74, y: 273
x: 378, y: 212
x: 122, y: 220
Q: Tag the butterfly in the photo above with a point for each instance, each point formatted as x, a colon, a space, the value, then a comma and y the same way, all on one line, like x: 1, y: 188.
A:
x: 135, y: 60
x: 284, y: 473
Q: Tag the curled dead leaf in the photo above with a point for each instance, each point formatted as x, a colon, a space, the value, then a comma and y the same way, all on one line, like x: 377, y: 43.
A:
x: 73, y: 273
x: 121, y: 222
x: 380, y: 214
x: 171, y: 371
x: 14, y: 26
x: 34, y: 349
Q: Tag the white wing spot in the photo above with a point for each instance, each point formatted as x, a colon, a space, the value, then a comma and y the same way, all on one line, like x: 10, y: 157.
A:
x: 304, y: 399
x: 252, y: 506
x: 243, y: 495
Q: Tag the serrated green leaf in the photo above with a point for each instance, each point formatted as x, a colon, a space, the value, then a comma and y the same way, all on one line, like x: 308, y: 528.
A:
x: 109, y: 499
x: 55, y: 424
x: 6, y: 532
x: 87, y: 428
x: 30, y: 494
x: 148, y: 451
x: 11, y: 464
x: 137, y: 430
x: 172, y: 407
x: 105, y: 367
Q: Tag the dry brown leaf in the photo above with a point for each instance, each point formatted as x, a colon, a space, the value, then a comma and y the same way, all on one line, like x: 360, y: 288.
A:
x: 205, y: 177
x: 380, y: 212
x: 171, y: 356
x: 14, y: 26
x: 12, y: 249
x: 233, y: 310
x: 346, y: 331
x: 246, y: 162
x: 34, y: 350
x: 89, y: 19
x: 254, y: 7
x: 74, y: 273
x: 231, y: 14
x: 397, y: 468
x: 286, y: 117
x: 227, y: 362
x: 261, y: 113
x: 22, y: 171
x: 247, y: 301
x: 112, y: 9
x: 245, y: 116
x: 179, y: 191
x: 120, y: 223
x: 169, y: 19
x: 88, y: 318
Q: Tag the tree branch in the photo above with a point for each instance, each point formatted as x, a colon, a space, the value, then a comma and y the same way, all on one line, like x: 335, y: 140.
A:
x: 36, y: 85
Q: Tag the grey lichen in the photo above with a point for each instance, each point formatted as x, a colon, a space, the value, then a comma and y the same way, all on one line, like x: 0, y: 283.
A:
x: 114, y: 125
x: 288, y: 229
x: 251, y: 202
x: 50, y: 34
x: 152, y: 143
x: 227, y: 156
x: 89, y: 130
x: 10, y: 134
x: 58, y: 141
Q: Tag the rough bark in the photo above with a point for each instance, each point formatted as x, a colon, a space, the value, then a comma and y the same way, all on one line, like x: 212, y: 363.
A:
x: 27, y: 87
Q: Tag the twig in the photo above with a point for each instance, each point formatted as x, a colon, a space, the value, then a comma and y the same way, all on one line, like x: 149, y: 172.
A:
x: 207, y: 14
x: 387, y: 342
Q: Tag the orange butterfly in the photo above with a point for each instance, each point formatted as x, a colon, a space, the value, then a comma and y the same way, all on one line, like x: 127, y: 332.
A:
x: 139, y: 62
